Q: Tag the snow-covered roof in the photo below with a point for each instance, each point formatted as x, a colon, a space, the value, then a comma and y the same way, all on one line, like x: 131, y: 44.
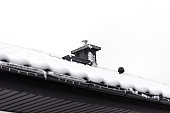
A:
x: 44, y: 61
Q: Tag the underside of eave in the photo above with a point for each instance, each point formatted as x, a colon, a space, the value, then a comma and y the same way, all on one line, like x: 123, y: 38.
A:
x: 20, y: 93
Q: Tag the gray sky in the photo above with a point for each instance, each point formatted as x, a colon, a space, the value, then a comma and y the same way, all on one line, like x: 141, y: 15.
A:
x: 133, y: 34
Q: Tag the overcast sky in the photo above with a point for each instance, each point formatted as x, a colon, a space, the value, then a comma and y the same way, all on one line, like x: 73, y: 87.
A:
x: 133, y: 34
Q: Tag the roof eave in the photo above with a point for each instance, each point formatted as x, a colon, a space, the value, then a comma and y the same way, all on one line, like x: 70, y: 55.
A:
x: 77, y: 82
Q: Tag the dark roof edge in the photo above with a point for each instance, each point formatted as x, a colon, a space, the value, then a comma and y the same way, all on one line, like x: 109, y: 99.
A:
x: 79, y: 82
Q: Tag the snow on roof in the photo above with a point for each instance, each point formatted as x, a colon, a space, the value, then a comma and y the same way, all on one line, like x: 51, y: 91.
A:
x: 40, y: 60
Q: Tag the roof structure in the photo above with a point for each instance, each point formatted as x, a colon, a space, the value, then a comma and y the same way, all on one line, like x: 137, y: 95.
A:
x: 36, y: 64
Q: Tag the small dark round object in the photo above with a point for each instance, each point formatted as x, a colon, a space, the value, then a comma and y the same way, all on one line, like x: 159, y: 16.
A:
x: 47, y: 69
x: 27, y: 65
x: 4, y: 60
x: 121, y: 70
x: 85, y: 78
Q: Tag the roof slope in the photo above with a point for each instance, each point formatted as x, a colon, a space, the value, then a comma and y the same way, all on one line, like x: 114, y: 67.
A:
x: 53, y: 64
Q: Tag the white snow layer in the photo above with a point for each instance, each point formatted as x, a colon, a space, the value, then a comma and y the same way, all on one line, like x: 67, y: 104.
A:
x: 42, y: 60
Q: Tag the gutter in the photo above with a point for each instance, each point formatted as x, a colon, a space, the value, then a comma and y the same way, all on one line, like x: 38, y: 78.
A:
x: 81, y: 83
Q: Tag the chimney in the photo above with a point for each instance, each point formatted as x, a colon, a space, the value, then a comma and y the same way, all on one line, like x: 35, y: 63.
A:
x: 87, y: 52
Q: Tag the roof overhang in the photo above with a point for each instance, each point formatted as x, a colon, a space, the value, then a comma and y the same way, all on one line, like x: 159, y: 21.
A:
x: 28, y: 90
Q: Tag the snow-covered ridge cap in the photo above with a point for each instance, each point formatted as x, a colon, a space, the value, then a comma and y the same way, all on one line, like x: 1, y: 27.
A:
x: 40, y: 60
